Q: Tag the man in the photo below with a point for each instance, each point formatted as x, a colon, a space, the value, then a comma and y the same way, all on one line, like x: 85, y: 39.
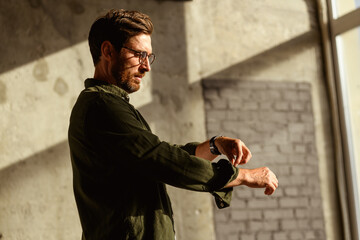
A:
x: 120, y: 168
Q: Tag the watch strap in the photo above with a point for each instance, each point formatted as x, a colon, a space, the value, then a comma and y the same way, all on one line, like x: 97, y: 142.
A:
x: 213, y: 149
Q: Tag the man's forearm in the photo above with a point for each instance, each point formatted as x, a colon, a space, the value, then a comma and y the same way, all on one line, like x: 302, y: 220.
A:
x: 203, y: 151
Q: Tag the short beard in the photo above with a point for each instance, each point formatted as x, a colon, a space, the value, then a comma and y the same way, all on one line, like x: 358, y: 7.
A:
x: 124, y: 81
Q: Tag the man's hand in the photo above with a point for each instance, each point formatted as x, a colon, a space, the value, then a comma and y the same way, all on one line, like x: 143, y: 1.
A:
x: 256, y: 178
x: 234, y: 149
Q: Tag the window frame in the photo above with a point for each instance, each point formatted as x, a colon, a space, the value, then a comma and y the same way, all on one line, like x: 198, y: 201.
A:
x: 346, y: 174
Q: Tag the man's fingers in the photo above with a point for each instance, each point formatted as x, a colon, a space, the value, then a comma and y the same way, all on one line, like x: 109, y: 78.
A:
x: 270, y: 189
x: 238, y: 151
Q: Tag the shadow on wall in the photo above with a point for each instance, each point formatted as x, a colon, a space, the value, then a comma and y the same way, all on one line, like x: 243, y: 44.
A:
x: 36, y: 192
x: 270, y: 58
x: 34, y: 29
x: 276, y: 55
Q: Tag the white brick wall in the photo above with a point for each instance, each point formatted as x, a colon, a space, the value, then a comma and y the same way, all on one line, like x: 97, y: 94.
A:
x: 275, y: 120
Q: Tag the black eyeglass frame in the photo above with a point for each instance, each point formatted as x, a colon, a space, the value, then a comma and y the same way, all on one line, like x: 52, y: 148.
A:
x: 142, y: 55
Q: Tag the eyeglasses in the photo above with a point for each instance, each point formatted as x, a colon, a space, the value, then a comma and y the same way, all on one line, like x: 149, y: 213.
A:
x: 142, y: 55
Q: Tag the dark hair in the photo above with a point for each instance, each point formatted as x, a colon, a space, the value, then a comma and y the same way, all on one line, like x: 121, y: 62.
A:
x: 117, y: 26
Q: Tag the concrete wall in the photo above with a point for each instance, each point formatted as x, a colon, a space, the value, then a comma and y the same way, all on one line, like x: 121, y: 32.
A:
x: 44, y: 60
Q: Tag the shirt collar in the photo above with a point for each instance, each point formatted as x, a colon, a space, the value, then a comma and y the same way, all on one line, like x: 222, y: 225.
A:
x: 107, y: 87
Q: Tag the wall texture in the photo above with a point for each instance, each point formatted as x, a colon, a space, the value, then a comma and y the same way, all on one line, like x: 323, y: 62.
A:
x: 45, y: 59
x: 275, y: 120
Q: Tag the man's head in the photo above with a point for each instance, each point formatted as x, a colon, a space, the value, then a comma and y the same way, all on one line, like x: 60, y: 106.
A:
x: 120, y: 45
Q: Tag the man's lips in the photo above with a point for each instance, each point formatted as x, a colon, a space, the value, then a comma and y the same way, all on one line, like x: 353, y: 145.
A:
x: 139, y: 77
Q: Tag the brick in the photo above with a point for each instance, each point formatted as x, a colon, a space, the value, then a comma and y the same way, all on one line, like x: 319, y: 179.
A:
x: 299, y: 170
x: 298, y: 106
x: 208, y: 106
x: 222, y: 216
x: 219, y: 104
x: 286, y: 148
x: 243, y: 106
x: 304, y: 224
x: 243, y: 192
x: 311, y: 159
x: 247, y: 236
x: 255, y: 226
x: 230, y: 125
x: 296, y: 137
x: 233, y: 93
x: 282, y: 106
x: 298, y: 159
x: 313, y: 181
x: 304, y: 96
x: 234, y: 236
x: 291, y: 95
x: 310, y: 235
x: 307, y: 191
x: 281, y: 170
x: 272, y: 116
x: 292, y: 181
x: 264, y: 236
x: 279, y: 214
x: 281, y: 235
x: 278, y: 193
x: 283, y: 85
x: 296, y: 235
x: 215, y: 115
x: 309, y: 127
x: 211, y: 94
x: 268, y: 94
x: 289, y: 224
x: 303, y: 86
x: 255, y: 148
x: 250, y: 106
x: 317, y: 224
x: 251, y: 85
x: 316, y: 202
x: 261, y: 204
x: 291, y: 202
x: 226, y: 229
x: 297, y: 127
x: 292, y: 192
x: 265, y: 105
x: 243, y: 116
x: 243, y: 215
x: 300, y: 148
x: 293, y: 117
x: 280, y: 137
x: 319, y: 234
x: 237, y: 203
x: 309, y: 107
x: 309, y: 138
x: 306, y: 118
x: 215, y: 126
x: 274, y: 158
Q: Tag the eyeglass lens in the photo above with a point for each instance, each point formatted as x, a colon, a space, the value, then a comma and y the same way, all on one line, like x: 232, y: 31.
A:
x: 144, y: 55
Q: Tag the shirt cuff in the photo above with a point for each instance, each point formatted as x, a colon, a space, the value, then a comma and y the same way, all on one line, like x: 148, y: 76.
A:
x: 226, y: 173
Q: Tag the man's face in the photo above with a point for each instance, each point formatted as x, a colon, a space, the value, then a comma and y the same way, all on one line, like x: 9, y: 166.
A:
x: 126, y: 68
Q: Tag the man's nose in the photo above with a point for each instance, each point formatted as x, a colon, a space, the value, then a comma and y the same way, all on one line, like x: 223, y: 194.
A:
x: 146, y: 65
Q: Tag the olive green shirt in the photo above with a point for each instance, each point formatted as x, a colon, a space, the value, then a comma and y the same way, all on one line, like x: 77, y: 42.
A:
x: 120, y: 169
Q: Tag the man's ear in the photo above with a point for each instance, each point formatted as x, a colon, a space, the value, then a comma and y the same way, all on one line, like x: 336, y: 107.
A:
x: 107, y: 50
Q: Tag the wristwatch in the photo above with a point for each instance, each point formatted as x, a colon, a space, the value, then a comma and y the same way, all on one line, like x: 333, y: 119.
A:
x: 213, y: 149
